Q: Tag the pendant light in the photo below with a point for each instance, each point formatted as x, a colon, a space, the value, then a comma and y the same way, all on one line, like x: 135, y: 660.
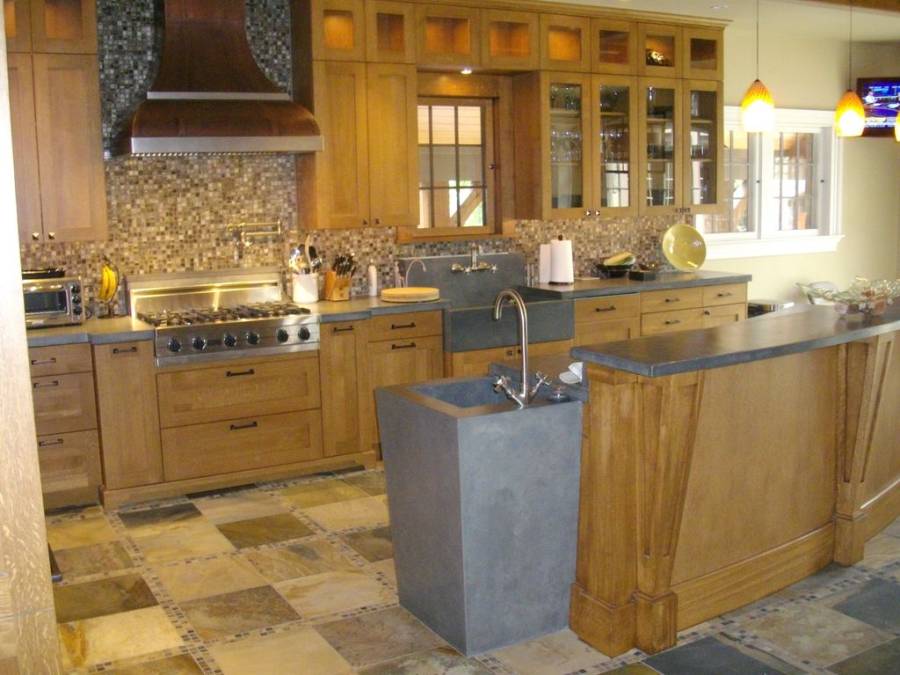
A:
x: 849, y: 116
x: 897, y: 128
x: 757, y: 107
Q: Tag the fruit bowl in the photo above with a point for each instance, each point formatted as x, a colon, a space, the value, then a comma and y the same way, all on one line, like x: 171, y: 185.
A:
x: 863, y: 298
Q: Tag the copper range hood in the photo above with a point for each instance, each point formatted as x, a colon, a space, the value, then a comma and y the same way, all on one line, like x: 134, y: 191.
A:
x: 210, y: 96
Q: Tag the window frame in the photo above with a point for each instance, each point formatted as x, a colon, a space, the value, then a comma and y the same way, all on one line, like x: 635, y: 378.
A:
x: 765, y: 239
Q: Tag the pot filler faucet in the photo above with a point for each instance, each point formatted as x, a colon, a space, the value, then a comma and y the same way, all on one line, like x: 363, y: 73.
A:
x: 524, y: 395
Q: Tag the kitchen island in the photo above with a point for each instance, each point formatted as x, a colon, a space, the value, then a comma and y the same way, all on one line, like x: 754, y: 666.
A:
x: 721, y: 465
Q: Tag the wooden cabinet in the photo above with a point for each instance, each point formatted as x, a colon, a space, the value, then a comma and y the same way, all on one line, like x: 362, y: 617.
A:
x: 565, y: 43
x: 129, y: 420
x: 509, y: 40
x: 25, y: 148
x: 70, y: 468
x: 660, y: 50
x: 342, y: 364
x: 671, y: 322
x: 403, y: 326
x: 64, y: 403
x: 51, y: 26
x: 727, y: 294
x: 614, y: 145
x: 661, y: 145
x: 720, y: 315
x: 16, y: 16
x: 338, y: 30
x: 703, y: 139
x: 614, y: 47
x: 477, y: 362
x: 681, y: 309
x: 447, y: 36
x: 390, y: 31
x: 607, y: 319
x: 703, y: 53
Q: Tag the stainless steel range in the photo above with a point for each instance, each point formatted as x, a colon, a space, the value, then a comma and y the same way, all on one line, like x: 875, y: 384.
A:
x: 207, y: 316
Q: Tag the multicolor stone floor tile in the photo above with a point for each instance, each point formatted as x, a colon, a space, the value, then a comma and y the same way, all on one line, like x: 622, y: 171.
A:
x: 298, y: 577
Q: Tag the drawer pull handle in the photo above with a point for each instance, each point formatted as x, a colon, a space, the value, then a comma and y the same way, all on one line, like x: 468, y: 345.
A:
x: 399, y: 326
x: 43, y: 362
x: 726, y: 294
x: 672, y: 322
x: 669, y: 300
x: 240, y: 373
x: 411, y: 345
x: 47, y: 444
x: 130, y: 350
x: 611, y: 308
x: 347, y: 329
x: 706, y: 312
x: 249, y: 425
x: 39, y: 385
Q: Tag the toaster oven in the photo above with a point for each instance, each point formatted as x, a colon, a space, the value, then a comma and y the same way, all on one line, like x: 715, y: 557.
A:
x: 55, y: 301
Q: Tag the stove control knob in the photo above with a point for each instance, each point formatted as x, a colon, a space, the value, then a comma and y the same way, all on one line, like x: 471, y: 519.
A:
x: 76, y: 311
x: 199, y: 343
x: 253, y: 338
x: 282, y: 335
x: 304, y: 334
x: 229, y: 340
x: 174, y: 345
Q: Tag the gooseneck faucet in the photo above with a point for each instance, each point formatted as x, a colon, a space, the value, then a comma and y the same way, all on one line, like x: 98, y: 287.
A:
x: 409, y: 267
x: 523, y: 396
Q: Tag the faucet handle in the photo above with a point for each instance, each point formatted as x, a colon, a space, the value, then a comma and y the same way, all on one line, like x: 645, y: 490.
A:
x: 541, y: 380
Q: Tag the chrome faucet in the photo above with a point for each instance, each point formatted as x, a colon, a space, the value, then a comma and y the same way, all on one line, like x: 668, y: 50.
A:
x: 524, y: 395
x: 474, y: 264
x: 409, y: 267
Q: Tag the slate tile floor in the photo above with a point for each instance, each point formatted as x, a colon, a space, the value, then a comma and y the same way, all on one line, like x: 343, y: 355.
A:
x: 297, y: 577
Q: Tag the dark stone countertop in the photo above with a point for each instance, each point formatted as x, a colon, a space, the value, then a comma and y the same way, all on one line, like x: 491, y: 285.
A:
x: 590, y: 288
x: 92, y: 331
x: 787, y: 332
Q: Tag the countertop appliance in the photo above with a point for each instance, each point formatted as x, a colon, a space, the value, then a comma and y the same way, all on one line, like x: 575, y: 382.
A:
x: 208, y: 316
x: 51, y: 298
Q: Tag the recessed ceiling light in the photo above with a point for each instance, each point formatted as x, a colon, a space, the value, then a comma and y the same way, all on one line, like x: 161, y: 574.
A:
x: 719, y: 6
x: 465, y: 71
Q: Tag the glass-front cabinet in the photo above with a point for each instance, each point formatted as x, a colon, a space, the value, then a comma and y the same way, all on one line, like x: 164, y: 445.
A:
x: 703, y: 114
x: 615, y: 145
x: 567, y: 122
x: 615, y: 47
x: 661, y: 142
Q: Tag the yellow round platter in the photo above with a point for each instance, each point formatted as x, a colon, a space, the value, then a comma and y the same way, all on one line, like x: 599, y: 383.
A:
x: 411, y: 294
x: 684, y: 247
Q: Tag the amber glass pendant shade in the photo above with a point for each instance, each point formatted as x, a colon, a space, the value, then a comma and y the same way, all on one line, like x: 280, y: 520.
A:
x: 849, y: 116
x: 897, y: 128
x: 757, y: 108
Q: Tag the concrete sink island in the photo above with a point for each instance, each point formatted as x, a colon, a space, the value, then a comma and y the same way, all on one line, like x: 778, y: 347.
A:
x: 484, y: 509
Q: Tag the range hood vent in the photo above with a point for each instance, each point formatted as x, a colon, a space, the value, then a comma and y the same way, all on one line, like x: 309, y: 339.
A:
x: 210, y: 96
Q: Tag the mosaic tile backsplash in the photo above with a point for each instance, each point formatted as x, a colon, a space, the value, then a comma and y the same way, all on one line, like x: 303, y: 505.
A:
x: 171, y: 214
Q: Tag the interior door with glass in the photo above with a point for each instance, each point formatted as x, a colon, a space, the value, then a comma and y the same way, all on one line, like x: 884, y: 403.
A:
x: 661, y: 141
x: 703, y: 135
x: 615, y: 138
x: 566, y: 122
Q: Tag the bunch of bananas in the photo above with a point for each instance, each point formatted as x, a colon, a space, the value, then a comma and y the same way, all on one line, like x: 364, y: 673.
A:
x: 109, y: 282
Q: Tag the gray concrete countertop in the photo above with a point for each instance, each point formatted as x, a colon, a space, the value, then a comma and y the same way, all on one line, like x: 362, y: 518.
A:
x: 590, y: 288
x: 93, y: 331
x: 778, y: 334
x: 357, y: 309
x: 550, y: 365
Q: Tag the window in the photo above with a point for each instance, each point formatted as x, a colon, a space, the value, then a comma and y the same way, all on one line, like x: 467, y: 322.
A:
x: 455, y: 166
x: 782, y: 188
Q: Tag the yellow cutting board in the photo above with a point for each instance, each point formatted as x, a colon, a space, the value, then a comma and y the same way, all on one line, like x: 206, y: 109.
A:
x: 411, y: 294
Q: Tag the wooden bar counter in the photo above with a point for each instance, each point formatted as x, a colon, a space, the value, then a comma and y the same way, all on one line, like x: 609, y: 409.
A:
x: 721, y: 465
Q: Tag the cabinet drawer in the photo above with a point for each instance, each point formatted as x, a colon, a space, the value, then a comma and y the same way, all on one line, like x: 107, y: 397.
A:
x: 64, y: 403
x: 728, y: 294
x: 60, y: 360
x: 478, y: 362
x: 671, y: 322
x: 606, y: 331
x: 69, y: 462
x: 607, y: 308
x: 239, y: 388
x: 723, y: 314
x: 242, y: 444
x: 399, y: 326
x: 677, y: 298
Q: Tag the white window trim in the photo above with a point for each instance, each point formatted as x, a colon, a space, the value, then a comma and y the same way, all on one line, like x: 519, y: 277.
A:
x: 767, y: 242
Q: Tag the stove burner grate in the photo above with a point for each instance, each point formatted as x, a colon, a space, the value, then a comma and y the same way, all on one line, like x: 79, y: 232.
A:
x: 192, y: 317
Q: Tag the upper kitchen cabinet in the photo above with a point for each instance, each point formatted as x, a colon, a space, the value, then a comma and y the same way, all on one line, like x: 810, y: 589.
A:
x: 565, y: 43
x: 702, y: 49
x: 509, y: 40
x: 615, y: 144
x: 61, y: 26
x: 17, y: 20
x: 448, y: 37
x: 661, y: 146
x: 703, y: 137
x: 25, y: 149
x: 660, y: 50
x: 339, y: 30
x: 390, y: 27
x: 615, y: 47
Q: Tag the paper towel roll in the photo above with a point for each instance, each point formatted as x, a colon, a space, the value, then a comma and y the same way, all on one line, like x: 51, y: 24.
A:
x: 544, y: 264
x: 562, y: 264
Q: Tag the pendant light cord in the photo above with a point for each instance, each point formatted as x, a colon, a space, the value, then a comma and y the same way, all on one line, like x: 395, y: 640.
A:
x: 757, y: 39
x: 849, y: 51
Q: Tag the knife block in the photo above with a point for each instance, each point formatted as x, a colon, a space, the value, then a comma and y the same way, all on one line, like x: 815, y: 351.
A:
x: 336, y: 287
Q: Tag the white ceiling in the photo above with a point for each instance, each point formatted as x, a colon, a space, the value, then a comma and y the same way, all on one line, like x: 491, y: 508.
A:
x: 781, y: 16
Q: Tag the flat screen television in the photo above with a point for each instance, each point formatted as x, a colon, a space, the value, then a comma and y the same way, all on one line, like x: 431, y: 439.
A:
x: 881, y: 99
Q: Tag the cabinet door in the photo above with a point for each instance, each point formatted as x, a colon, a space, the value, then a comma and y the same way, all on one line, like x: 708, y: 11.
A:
x: 659, y: 49
x: 16, y: 17
x: 393, y: 150
x: 722, y: 315
x: 661, y: 141
x: 509, y: 40
x: 606, y: 331
x: 339, y: 30
x: 129, y: 419
x: 67, y: 107
x: 342, y: 364
x: 70, y: 468
x: 25, y: 149
x: 614, y: 47
x: 703, y: 133
x: 565, y: 43
x: 566, y: 123
x: 702, y: 50
x: 615, y: 144
x: 448, y: 36
x: 64, y: 403
x: 64, y: 26
x: 342, y: 168
x: 390, y: 32
x: 671, y: 322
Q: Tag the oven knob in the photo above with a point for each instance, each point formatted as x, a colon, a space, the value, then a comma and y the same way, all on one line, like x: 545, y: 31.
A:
x: 76, y: 311
x: 282, y: 335
x: 76, y: 299
x: 174, y: 345
x: 229, y: 340
x: 304, y: 334
x: 199, y: 343
x: 253, y: 338
x: 76, y: 288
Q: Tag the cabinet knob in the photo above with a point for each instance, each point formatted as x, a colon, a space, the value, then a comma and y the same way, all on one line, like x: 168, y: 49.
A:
x: 35, y: 236
x: 51, y: 235
x: 587, y: 213
x: 378, y: 221
x: 365, y: 222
